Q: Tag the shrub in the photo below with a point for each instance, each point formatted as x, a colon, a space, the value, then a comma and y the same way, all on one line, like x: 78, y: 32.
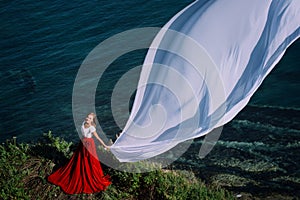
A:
x: 24, y: 169
x: 12, y: 160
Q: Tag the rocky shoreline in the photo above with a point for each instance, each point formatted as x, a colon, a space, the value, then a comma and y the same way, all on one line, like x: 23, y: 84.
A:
x: 256, y: 157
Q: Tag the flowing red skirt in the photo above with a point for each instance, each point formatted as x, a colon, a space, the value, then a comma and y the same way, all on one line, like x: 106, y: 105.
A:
x: 83, y: 173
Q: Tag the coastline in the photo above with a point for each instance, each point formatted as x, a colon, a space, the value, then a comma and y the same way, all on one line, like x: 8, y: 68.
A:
x: 25, y: 168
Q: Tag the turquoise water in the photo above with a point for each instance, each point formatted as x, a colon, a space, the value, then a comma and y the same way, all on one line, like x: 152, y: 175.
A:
x: 44, y: 43
x: 42, y: 47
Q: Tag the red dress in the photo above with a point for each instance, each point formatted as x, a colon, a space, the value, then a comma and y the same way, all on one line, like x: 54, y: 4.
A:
x: 83, y: 173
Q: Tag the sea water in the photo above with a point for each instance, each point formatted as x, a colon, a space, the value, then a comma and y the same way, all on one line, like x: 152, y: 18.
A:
x: 43, y: 44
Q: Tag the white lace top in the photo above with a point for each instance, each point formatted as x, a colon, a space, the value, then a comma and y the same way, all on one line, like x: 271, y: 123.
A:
x: 87, y: 132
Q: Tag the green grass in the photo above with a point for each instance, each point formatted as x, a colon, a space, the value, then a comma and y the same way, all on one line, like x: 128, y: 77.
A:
x: 24, y: 169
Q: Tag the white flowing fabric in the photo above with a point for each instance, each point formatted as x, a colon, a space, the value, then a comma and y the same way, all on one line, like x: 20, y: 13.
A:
x: 208, y: 60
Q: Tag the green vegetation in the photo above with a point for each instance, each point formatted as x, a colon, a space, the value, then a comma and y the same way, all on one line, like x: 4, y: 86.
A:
x: 24, y: 168
x: 163, y: 184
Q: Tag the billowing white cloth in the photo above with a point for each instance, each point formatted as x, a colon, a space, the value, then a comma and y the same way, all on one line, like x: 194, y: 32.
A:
x: 208, y: 60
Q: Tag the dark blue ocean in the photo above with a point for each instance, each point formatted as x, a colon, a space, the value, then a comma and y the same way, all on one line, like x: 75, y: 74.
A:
x: 42, y: 47
x: 43, y: 44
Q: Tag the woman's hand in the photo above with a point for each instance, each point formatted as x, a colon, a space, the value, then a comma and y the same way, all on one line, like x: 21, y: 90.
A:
x: 106, y: 147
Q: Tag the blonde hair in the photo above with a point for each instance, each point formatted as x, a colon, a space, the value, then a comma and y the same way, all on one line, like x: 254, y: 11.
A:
x: 94, y: 119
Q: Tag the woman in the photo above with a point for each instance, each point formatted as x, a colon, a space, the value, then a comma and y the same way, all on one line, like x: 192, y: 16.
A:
x: 83, y: 173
